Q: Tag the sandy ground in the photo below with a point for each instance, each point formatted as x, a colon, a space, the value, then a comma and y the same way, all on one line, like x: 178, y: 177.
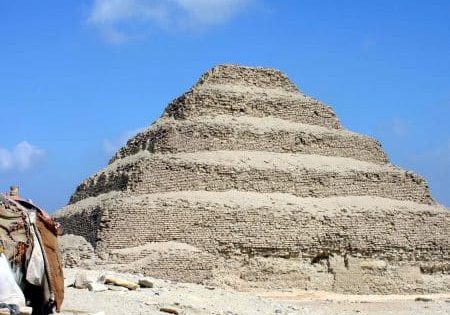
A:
x: 188, y: 298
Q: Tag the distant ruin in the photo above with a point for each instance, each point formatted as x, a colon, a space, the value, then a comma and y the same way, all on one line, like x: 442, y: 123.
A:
x: 245, y: 181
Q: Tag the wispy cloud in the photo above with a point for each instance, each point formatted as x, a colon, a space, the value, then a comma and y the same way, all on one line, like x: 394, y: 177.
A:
x: 111, y: 146
x: 399, y: 128
x: 21, y: 157
x: 120, y: 20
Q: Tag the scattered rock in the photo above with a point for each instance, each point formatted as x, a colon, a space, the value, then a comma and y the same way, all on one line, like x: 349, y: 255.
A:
x: 187, y: 298
x: 117, y: 288
x: 81, y: 281
x: 145, y: 283
x: 170, y: 310
x: 76, y: 251
x: 423, y: 299
x: 96, y: 287
x: 109, y: 279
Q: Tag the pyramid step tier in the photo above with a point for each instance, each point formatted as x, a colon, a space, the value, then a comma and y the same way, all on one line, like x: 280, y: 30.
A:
x: 212, y: 100
x: 274, y: 224
x: 299, y: 174
x: 233, y: 133
x: 264, y: 78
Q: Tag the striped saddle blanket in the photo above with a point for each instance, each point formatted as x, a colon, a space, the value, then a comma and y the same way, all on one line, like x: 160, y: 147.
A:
x: 28, y: 241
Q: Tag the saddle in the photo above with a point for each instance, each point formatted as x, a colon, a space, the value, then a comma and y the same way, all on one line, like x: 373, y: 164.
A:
x: 28, y: 238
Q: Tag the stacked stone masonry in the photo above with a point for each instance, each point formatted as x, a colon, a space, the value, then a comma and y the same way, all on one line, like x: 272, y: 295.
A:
x: 370, y: 226
x: 246, y: 181
x: 290, y: 107
x: 254, y: 171
x: 264, y: 78
x: 257, y: 134
x: 279, y: 227
x: 168, y: 260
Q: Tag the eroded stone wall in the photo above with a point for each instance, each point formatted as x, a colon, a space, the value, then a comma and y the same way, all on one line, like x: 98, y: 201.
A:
x: 174, y: 136
x: 344, y: 244
x: 167, y: 260
x: 169, y: 173
x: 288, y: 107
x: 87, y: 223
x: 302, y: 226
x: 264, y: 78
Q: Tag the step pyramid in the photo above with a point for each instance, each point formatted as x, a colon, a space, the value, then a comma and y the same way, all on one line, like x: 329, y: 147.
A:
x: 245, y: 181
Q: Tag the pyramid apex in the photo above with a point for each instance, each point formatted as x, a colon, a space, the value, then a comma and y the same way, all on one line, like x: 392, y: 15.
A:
x: 259, y: 77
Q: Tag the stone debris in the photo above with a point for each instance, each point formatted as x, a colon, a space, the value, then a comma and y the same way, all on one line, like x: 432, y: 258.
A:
x: 247, y: 182
x: 97, y: 287
x: 81, y: 281
x: 145, y: 283
x: 111, y: 279
x: 170, y: 310
x: 117, y: 288
x: 189, y: 298
x: 76, y: 251
x: 423, y: 299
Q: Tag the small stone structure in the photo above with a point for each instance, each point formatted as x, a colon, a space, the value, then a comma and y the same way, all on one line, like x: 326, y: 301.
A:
x: 246, y: 181
x: 76, y: 251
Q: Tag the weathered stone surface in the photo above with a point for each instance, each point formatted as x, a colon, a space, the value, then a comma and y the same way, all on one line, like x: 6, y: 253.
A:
x: 76, y: 251
x: 423, y: 299
x: 239, y: 133
x: 145, y: 283
x: 81, y: 281
x: 263, y: 92
x: 298, y: 174
x: 116, y: 288
x: 96, y: 287
x: 245, y: 181
x: 111, y: 279
x: 170, y: 310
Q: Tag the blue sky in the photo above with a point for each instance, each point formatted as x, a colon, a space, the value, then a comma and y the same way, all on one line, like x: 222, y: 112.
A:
x: 78, y: 77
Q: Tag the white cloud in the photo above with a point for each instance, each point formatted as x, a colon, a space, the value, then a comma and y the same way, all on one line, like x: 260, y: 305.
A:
x: 120, y: 20
x: 396, y: 127
x: 21, y: 157
x: 211, y: 12
x: 111, y: 146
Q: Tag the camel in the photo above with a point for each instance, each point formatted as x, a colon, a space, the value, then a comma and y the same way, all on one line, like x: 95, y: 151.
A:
x: 29, y: 250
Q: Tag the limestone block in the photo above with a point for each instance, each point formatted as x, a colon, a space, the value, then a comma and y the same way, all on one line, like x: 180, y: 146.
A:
x: 96, y: 287
x: 111, y: 279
